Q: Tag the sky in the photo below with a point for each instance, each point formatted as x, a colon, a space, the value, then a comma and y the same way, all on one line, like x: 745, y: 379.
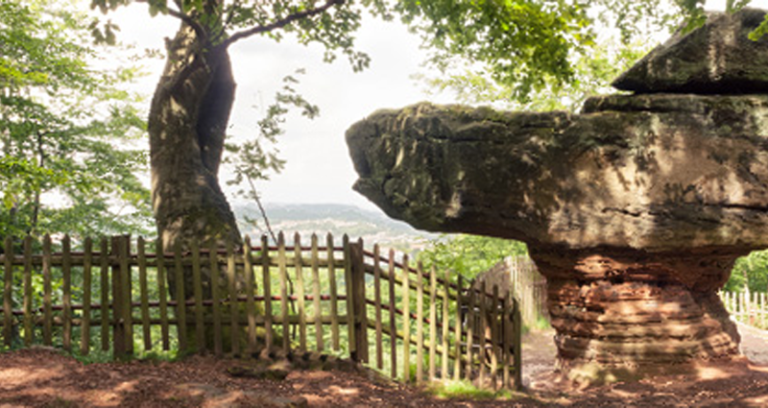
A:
x: 318, y: 168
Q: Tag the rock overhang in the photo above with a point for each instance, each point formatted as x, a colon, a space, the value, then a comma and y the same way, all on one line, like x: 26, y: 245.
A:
x: 653, y: 172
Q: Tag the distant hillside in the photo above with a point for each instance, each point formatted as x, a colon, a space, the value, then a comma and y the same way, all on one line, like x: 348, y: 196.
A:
x: 338, y: 219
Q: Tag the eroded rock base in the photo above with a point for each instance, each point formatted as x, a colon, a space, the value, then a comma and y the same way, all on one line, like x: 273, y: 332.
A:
x: 629, y: 314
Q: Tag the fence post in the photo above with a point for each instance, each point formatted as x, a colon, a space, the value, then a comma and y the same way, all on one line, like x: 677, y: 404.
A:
x: 118, y: 250
x: 406, y: 288
x: 334, y: 298
x: 392, y: 315
x: 267, y: 284
x: 66, y: 273
x: 506, y: 337
x: 47, y: 307
x: 104, y: 292
x: 28, y: 324
x: 8, y: 293
x: 357, y: 292
x: 181, y: 298
x: 457, y: 327
x: 517, y: 335
x: 419, y: 323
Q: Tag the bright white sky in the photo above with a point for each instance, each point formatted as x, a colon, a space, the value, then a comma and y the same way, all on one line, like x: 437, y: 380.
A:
x: 318, y: 168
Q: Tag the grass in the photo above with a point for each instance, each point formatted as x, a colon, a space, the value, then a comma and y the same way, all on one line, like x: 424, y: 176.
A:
x: 97, y: 355
x: 63, y: 403
x: 541, y: 323
x: 156, y: 356
x: 465, y: 390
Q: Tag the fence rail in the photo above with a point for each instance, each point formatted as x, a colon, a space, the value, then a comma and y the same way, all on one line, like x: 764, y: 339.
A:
x: 747, y: 307
x: 117, y: 295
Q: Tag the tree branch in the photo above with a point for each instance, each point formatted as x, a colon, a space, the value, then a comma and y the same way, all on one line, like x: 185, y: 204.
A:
x: 255, y: 196
x: 183, y: 17
x: 188, y: 21
x: 281, y: 23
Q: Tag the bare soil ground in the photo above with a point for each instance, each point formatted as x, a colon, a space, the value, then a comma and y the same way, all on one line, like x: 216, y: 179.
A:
x: 741, y: 382
x: 46, y: 378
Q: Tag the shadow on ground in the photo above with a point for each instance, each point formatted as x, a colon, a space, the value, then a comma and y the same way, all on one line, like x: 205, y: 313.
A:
x: 46, y: 378
x: 740, y: 382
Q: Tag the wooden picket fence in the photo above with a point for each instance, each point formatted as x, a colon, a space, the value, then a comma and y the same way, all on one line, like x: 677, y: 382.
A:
x: 747, y: 307
x: 371, y: 305
x: 519, y: 274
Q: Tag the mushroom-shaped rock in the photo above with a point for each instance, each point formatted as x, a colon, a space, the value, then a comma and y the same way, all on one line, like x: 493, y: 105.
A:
x: 648, y: 172
x: 635, y: 210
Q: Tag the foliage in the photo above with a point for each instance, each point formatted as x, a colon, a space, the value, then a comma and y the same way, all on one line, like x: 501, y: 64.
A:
x: 63, y: 127
x: 592, y: 76
x: 252, y: 161
x: 618, y: 37
x: 608, y: 44
x: 522, y: 44
x: 469, y: 255
x: 749, y: 271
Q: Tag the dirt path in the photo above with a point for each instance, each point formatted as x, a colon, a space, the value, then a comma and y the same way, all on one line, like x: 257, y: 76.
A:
x: 538, y: 356
x: 45, y: 378
x: 739, y: 383
x: 539, y: 350
x: 754, y: 343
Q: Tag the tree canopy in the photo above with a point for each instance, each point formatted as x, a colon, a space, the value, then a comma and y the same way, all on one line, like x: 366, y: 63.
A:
x: 63, y: 127
x: 523, y: 43
x: 469, y: 255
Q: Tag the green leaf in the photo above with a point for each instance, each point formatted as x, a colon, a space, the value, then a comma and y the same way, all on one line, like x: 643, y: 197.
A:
x: 62, y: 135
x: 760, y: 31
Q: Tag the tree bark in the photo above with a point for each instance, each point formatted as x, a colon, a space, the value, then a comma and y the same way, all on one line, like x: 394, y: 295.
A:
x: 187, y: 127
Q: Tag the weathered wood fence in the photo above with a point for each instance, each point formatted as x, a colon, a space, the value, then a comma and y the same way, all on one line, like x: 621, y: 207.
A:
x: 113, y: 294
x: 747, y: 307
x: 519, y: 274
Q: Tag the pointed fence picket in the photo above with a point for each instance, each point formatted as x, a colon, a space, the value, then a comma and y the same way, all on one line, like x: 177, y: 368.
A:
x: 419, y: 325
x: 747, y: 307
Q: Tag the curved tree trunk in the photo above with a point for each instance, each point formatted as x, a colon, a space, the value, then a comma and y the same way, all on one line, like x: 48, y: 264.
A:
x: 187, y: 126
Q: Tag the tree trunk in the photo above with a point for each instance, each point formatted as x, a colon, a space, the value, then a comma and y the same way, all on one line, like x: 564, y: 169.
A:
x: 187, y: 126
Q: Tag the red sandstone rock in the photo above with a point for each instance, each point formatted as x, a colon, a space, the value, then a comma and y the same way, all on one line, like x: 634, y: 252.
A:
x: 610, y: 318
x: 634, y: 210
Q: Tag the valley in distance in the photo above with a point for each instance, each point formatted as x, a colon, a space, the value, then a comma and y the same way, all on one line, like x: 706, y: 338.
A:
x: 338, y: 219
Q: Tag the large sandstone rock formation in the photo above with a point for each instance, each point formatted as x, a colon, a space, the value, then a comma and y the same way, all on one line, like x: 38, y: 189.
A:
x: 634, y: 210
